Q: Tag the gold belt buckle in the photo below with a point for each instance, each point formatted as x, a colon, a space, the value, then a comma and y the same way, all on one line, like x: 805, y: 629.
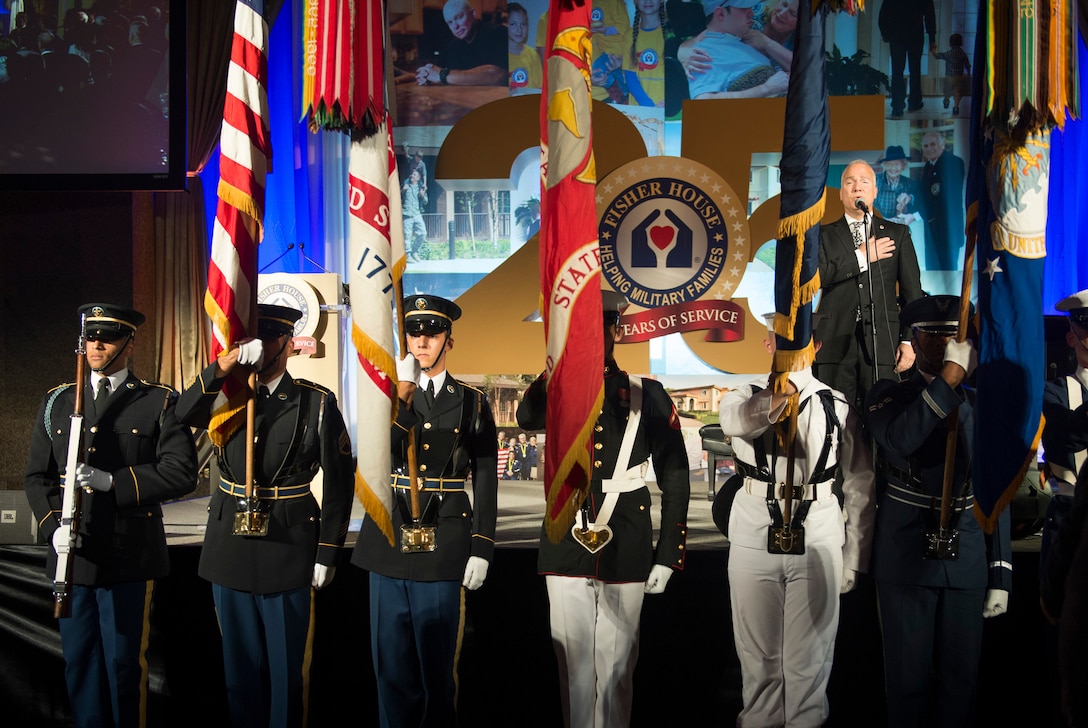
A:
x: 415, y: 539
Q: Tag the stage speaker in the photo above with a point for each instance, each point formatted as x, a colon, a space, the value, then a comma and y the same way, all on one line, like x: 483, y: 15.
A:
x: 17, y: 524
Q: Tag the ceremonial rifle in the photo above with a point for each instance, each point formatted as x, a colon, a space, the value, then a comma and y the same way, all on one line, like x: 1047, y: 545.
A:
x: 70, y: 507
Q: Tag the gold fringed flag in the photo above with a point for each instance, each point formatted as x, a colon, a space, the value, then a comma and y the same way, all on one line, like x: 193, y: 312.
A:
x: 245, y: 158
x: 1028, y: 87
x: 1030, y: 78
x: 376, y: 257
x: 806, y: 152
x: 570, y: 266
x: 343, y: 64
x: 344, y: 90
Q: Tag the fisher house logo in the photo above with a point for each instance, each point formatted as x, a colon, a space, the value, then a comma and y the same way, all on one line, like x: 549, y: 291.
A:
x: 674, y: 240
x: 286, y: 289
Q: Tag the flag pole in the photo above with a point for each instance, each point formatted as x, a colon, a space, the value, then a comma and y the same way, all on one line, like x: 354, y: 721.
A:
x: 953, y: 418
x: 413, y: 467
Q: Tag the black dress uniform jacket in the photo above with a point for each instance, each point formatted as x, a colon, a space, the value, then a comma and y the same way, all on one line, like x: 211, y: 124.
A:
x: 844, y: 291
x: 911, y: 433
x: 299, y: 430
x: 136, y: 436
x: 630, y: 554
x: 455, y: 438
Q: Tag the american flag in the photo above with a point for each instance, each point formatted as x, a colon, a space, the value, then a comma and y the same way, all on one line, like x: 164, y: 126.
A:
x: 570, y: 268
x: 245, y: 159
x: 377, y: 260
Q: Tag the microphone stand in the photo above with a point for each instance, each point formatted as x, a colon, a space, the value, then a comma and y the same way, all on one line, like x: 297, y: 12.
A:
x: 866, y: 228
x: 277, y: 258
x: 311, y: 261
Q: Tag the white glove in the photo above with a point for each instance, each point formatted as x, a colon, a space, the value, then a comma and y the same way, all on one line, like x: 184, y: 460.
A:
x: 90, y: 477
x: 475, y: 572
x: 997, y: 602
x: 849, y: 580
x: 251, y: 352
x: 658, y: 578
x: 408, y: 369
x: 963, y: 354
x: 322, y: 576
x: 60, y: 539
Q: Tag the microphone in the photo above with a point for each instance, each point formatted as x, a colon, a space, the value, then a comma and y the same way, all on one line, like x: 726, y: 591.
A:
x: 277, y: 258
x: 860, y: 205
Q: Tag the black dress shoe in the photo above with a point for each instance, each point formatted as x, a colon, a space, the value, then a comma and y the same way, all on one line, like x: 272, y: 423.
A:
x: 912, y: 107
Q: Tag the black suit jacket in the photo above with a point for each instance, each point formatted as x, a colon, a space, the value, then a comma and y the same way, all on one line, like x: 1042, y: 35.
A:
x: 445, y: 448
x: 631, y: 553
x: 136, y: 437
x: 845, y: 290
x: 299, y: 430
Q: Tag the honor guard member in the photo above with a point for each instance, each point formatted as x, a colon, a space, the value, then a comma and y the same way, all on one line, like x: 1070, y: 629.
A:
x: 785, y: 602
x: 1065, y: 449
x: 416, y: 597
x: 262, y: 584
x: 596, y: 583
x: 935, y: 582
x: 136, y: 455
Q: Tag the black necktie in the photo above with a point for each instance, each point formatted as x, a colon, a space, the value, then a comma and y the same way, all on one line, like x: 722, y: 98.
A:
x: 430, y: 392
x: 103, y: 390
x: 263, y: 392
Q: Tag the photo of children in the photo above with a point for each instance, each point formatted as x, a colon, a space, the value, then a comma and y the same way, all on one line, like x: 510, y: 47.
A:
x: 526, y: 69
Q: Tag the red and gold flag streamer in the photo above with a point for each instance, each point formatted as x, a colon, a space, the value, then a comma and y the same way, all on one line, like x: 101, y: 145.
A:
x: 570, y: 266
x: 343, y: 64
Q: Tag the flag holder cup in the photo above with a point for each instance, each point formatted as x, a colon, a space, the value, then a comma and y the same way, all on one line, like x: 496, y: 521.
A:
x: 944, y: 544
x: 250, y: 520
x: 416, y: 538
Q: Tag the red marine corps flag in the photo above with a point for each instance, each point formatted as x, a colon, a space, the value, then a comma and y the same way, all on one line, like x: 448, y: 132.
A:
x: 570, y: 266
x: 344, y: 91
x: 244, y: 161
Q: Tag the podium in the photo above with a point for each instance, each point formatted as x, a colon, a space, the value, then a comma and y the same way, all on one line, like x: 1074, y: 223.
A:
x: 319, y: 334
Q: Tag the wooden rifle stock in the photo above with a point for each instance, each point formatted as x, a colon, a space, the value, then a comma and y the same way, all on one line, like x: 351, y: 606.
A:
x: 70, y: 508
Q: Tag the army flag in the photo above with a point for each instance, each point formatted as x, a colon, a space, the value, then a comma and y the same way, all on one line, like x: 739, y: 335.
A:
x: 377, y: 260
x: 570, y: 268
x: 245, y: 159
x: 806, y: 153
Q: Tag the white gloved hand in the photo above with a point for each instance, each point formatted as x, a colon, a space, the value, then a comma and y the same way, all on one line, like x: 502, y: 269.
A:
x: 91, y: 477
x: 408, y: 369
x: 251, y: 352
x: 963, y: 354
x: 849, y: 580
x: 60, y: 539
x: 322, y: 576
x: 658, y: 578
x: 997, y: 602
x: 475, y: 573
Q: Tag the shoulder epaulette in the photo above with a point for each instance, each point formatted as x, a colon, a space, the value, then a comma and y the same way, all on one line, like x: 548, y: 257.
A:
x: 312, y: 385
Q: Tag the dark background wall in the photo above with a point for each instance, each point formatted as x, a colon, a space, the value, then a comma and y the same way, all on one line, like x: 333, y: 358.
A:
x: 57, y: 250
